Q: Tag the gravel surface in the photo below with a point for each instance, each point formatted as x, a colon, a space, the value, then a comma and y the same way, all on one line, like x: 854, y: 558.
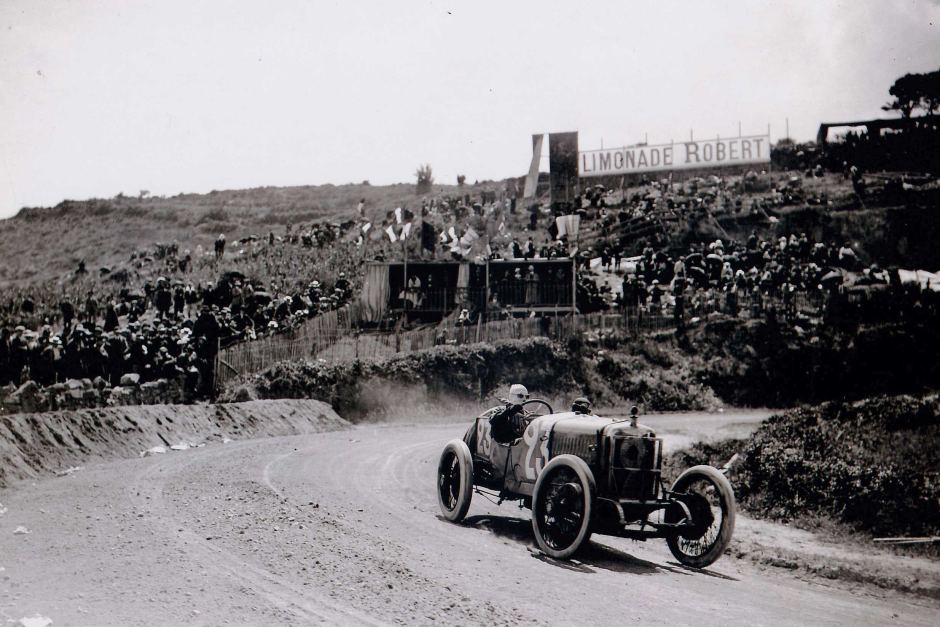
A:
x: 344, y: 528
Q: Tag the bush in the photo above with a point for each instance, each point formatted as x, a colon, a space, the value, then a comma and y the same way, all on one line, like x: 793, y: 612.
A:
x: 476, y: 371
x: 871, y: 464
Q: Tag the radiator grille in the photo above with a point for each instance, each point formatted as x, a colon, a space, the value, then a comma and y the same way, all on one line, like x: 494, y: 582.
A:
x: 579, y: 444
x: 636, y: 467
x: 638, y: 453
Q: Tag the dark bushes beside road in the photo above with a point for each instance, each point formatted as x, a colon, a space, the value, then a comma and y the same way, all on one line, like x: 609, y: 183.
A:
x: 871, y: 464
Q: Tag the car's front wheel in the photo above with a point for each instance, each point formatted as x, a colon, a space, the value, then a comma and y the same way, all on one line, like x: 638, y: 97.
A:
x: 708, y: 526
x: 562, y: 504
x: 455, y: 480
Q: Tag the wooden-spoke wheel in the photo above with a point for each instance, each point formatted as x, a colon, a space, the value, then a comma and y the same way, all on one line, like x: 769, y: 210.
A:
x: 709, y: 524
x: 562, y: 503
x: 455, y: 480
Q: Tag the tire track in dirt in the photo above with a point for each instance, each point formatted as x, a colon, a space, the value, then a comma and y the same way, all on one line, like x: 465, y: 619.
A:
x: 344, y: 528
x: 301, y: 603
x: 389, y: 473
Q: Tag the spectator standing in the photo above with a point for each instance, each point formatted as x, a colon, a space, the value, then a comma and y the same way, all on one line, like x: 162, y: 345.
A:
x: 220, y: 245
x: 68, y: 313
x: 91, y: 308
x: 110, y: 318
x: 531, y: 286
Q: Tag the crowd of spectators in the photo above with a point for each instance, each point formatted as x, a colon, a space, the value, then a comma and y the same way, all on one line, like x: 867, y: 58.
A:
x: 165, y: 312
x: 633, y: 232
x: 170, y: 326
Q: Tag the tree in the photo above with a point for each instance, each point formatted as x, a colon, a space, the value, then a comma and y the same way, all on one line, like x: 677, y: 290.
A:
x: 931, y: 89
x: 915, y: 91
x: 906, y: 96
x: 425, y: 178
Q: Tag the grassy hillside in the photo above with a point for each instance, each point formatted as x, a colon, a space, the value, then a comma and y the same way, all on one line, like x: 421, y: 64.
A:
x: 47, y: 243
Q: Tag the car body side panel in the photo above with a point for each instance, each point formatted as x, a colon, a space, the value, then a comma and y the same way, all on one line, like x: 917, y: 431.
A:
x: 521, y: 463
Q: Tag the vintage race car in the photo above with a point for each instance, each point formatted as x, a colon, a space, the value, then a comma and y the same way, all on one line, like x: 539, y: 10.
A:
x: 582, y: 474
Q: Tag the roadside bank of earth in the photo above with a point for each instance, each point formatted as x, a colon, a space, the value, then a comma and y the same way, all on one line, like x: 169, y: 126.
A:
x: 58, y: 442
x: 871, y: 465
x: 719, y: 362
x: 838, y: 475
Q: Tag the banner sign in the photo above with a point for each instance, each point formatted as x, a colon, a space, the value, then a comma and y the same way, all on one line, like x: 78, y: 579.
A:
x: 706, y: 153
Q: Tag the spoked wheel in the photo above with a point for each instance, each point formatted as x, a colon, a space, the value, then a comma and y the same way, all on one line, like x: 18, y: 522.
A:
x: 710, y: 500
x: 562, y: 503
x: 455, y: 480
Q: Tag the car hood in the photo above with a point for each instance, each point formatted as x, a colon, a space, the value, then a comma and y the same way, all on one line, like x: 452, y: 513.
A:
x: 570, y: 423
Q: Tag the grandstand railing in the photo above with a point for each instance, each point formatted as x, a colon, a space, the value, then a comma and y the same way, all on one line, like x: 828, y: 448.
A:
x: 334, y: 338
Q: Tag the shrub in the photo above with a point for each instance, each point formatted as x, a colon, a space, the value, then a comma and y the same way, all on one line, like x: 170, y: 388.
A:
x: 474, y: 371
x: 871, y: 464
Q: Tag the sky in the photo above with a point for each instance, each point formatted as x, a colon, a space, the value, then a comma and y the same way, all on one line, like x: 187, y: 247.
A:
x: 117, y: 96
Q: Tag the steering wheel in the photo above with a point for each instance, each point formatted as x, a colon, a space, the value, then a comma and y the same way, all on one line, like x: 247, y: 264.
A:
x: 538, y: 401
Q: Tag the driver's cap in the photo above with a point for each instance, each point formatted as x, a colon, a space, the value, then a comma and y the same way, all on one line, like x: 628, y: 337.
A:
x: 518, y: 393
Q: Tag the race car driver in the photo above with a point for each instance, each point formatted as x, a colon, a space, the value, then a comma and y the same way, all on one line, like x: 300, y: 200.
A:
x: 508, y: 424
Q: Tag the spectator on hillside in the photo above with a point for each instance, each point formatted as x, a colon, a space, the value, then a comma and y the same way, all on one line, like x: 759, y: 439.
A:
x: 847, y: 257
x: 68, y: 313
x: 163, y: 299
x: 220, y: 245
x: 91, y: 307
x: 110, y: 317
x: 179, y: 300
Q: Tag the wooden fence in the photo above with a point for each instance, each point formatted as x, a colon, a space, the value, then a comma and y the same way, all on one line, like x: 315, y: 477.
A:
x: 333, y: 337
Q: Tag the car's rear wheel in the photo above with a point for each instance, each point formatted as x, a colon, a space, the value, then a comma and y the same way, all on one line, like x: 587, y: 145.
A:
x: 562, y: 504
x: 455, y: 480
x: 709, y: 498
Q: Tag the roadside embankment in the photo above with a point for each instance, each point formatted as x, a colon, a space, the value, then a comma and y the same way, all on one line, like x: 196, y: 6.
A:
x: 453, y: 373
x: 871, y: 465
x: 723, y: 361
x: 35, y: 444
x: 839, y: 474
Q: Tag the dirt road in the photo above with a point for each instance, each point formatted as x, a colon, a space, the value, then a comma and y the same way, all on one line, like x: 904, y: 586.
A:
x: 344, y: 528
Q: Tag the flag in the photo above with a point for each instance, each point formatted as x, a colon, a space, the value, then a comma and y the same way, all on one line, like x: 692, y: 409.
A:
x: 532, y: 179
x: 398, y: 215
x: 366, y: 227
x: 452, y: 233
x: 568, y: 225
x: 406, y: 230
x: 391, y: 232
x: 469, y: 237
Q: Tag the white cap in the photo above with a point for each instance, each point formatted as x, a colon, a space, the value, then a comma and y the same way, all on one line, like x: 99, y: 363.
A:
x: 518, y: 394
